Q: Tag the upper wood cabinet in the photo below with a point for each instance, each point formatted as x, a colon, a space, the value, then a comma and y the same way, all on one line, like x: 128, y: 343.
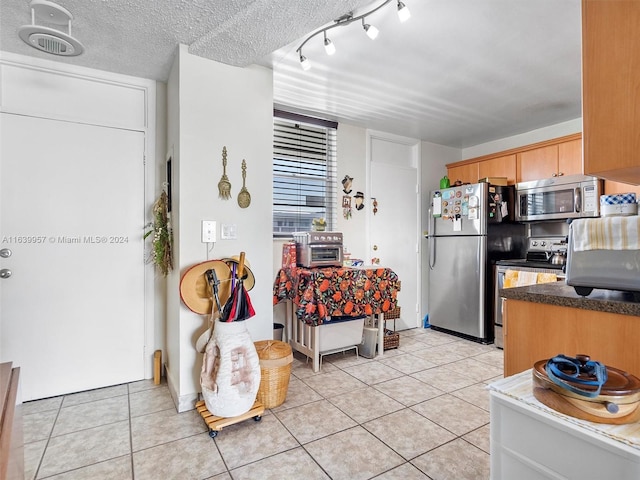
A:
x: 537, y: 163
x: 504, y: 166
x: 611, y: 188
x: 570, y: 157
x: 558, y: 156
x: 611, y: 89
x: 467, y: 173
x: 550, y: 161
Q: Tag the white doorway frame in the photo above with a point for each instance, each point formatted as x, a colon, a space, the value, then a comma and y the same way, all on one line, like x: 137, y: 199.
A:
x: 415, y: 145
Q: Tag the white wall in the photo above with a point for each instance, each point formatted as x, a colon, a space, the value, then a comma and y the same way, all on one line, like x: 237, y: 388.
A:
x: 218, y: 106
x: 352, y: 161
x: 527, y: 138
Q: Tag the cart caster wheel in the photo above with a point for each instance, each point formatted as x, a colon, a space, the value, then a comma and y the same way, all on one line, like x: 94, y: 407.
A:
x: 213, y: 433
x: 257, y: 418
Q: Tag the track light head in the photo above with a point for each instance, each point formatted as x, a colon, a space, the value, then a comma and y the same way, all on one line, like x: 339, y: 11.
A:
x: 371, y: 31
x: 329, y: 47
x: 304, y: 62
x: 403, y: 12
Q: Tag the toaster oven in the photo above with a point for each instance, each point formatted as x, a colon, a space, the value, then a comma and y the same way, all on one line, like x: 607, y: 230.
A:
x: 318, y: 249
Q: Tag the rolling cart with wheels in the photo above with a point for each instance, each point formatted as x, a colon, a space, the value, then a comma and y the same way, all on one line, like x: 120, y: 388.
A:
x: 216, y: 424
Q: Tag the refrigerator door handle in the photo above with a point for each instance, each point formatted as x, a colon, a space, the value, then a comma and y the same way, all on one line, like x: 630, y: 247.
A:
x: 432, y: 242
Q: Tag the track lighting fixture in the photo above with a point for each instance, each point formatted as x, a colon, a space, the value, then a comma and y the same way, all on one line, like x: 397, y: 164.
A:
x: 347, y: 19
x: 372, y: 31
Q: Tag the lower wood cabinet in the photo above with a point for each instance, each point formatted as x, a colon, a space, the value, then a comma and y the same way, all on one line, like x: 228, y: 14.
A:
x: 537, y: 331
x: 11, y: 435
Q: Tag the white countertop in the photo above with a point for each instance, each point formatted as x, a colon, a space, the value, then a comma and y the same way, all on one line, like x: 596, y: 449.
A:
x: 519, y: 387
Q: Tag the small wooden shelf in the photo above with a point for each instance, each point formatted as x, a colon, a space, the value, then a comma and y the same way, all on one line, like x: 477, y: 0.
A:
x: 216, y: 424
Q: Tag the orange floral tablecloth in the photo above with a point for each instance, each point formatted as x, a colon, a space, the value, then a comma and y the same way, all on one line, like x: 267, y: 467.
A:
x: 336, y: 291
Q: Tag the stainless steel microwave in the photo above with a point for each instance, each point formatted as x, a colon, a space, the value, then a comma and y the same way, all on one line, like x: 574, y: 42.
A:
x: 557, y: 198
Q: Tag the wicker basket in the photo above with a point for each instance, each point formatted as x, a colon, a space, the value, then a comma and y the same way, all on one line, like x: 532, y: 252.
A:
x: 391, y: 339
x: 392, y: 314
x: 275, y: 369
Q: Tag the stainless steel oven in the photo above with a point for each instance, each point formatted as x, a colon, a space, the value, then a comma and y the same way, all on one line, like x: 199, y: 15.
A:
x: 517, y: 267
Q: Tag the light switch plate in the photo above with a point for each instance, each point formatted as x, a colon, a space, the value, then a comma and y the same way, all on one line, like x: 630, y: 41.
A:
x: 208, y: 231
x: 229, y: 231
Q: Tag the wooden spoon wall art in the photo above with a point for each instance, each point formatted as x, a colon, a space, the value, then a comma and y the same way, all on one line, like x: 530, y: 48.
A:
x: 244, y: 198
x: 224, y: 185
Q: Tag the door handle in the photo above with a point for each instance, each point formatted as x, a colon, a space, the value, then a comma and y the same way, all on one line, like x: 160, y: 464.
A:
x: 5, y: 273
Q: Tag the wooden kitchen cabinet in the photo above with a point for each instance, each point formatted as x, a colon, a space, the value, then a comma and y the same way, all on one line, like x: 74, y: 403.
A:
x: 537, y: 331
x: 564, y: 158
x: 466, y: 173
x: 544, y: 159
x: 504, y: 166
x: 611, y: 188
x: 611, y: 89
x: 570, y: 157
x: 537, y: 163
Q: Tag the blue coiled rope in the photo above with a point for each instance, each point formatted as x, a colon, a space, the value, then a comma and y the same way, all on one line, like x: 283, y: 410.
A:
x: 562, y: 369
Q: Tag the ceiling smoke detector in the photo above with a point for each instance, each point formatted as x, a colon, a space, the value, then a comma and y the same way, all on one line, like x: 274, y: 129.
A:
x: 46, y: 39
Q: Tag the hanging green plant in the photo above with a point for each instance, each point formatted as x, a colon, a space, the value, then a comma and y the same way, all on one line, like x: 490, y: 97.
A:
x: 161, y: 254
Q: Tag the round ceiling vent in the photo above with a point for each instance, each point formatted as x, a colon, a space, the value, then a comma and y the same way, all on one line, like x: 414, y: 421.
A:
x: 50, y: 40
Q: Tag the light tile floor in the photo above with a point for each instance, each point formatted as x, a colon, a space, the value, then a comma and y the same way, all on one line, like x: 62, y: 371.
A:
x: 422, y: 411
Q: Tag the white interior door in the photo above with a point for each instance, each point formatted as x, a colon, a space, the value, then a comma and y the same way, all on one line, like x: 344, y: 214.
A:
x: 72, y: 214
x: 394, y: 228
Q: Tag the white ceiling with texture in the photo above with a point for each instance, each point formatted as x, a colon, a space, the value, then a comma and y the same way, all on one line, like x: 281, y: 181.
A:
x: 458, y: 73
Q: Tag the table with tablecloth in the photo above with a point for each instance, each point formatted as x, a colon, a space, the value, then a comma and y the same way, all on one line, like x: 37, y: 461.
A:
x: 319, y: 293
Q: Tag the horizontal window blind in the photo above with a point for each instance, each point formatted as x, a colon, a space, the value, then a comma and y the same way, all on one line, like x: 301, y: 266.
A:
x: 304, y: 176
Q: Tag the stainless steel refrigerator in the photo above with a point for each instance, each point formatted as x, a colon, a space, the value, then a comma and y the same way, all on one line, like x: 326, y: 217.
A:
x: 470, y: 226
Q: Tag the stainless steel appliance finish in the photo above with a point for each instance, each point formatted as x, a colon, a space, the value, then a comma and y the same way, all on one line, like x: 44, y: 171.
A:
x: 468, y: 225
x: 608, y: 269
x: 573, y: 196
x: 319, y: 249
x: 500, y: 271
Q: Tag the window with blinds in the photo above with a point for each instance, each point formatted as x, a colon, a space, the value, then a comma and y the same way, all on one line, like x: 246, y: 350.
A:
x: 304, y: 173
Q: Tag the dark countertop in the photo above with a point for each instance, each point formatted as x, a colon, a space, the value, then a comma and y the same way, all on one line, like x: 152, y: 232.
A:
x: 562, y: 295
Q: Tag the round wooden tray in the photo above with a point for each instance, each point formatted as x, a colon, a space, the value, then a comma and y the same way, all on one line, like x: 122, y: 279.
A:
x: 617, y: 403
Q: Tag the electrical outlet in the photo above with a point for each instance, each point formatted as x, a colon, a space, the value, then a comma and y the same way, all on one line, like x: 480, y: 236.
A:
x: 208, y: 231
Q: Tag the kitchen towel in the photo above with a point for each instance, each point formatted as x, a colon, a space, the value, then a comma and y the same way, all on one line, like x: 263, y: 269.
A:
x: 607, y: 233
x: 547, y: 277
x: 517, y: 278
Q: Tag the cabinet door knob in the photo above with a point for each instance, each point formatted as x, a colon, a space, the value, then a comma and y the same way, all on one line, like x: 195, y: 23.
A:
x: 554, y: 175
x: 560, y: 174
